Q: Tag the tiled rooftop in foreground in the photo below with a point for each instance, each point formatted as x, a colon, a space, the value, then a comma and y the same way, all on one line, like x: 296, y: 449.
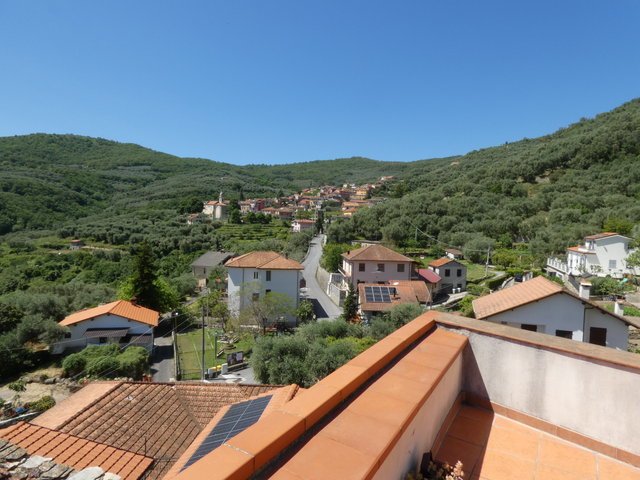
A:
x: 524, y: 403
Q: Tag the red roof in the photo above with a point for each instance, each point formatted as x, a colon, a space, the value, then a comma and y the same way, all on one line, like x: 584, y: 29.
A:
x: 598, y: 236
x: 121, y: 308
x: 264, y: 261
x: 441, y: 261
x: 375, y: 253
x: 429, y: 276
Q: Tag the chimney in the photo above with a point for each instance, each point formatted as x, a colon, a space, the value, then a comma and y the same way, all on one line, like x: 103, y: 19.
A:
x: 618, y: 308
x: 585, y: 290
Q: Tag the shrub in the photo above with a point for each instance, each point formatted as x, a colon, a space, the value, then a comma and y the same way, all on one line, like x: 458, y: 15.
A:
x: 44, y: 403
x: 133, y: 362
x: 74, y: 364
x: 17, y: 386
x: 107, y: 367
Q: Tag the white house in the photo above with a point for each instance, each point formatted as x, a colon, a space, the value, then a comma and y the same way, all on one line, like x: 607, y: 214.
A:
x: 452, y: 273
x: 601, y: 255
x: 253, y: 275
x: 216, y: 210
x: 120, y: 322
x: 544, y: 306
x: 375, y: 264
x: 302, y: 225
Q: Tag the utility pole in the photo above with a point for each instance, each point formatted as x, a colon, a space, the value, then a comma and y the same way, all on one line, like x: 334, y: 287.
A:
x: 203, y: 362
x: 486, y: 267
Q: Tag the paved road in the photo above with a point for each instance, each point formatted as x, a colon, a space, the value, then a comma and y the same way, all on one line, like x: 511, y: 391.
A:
x: 324, y: 307
x: 162, y: 368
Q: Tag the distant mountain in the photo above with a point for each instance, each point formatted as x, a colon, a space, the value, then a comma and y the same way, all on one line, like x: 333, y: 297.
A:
x: 48, y: 179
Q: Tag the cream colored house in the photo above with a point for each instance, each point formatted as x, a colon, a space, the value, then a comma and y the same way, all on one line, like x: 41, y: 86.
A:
x: 375, y: 264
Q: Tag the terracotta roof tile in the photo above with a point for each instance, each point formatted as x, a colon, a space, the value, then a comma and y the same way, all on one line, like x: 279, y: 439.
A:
x: 512, y: 297
x: 159, y: 420
x: 121, y: 308
x: 441, y: 261
x: 264, y: 261
x: 598, y: 236
x: 580, y: 249
x: 72, y: 451
x: 429, y: 275
x: 375, y: 253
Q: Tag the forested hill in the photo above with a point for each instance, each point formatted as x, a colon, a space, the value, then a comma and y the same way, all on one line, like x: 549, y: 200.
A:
x: 548, y: 191
x: 50, y: 179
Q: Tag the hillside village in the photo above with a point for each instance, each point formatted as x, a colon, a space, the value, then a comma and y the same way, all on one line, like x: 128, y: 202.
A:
x: 252, y: 336
x: 389, y: 308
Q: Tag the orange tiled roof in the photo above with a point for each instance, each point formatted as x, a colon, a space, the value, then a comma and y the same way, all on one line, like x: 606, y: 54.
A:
x: 264, y: 261
x: 579, y: 249
x: 516, y: 296
x: 375, y: 253
x: 598, y: 236
x: 441, y: 261
x: 122, y: 308
x: 420, y: 289
x: 76, y: 452
x: 159, y: 420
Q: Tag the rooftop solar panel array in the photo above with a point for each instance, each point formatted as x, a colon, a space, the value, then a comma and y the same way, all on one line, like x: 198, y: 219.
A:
x: 238, y: 418
x: 379, y: 294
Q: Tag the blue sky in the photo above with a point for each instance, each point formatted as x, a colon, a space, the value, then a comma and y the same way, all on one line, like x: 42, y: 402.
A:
x: 282, y: 81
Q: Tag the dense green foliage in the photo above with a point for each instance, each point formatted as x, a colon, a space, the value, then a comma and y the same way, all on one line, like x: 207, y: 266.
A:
x: 548, y: 192
x: 107, y: 362
x: 319, y: 348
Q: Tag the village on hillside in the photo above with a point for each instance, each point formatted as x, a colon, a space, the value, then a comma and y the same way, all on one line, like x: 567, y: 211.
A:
x: 266, y: 342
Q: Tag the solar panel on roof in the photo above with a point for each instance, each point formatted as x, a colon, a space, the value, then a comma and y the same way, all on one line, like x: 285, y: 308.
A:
x: 238, y: 418
x: 379, y: 294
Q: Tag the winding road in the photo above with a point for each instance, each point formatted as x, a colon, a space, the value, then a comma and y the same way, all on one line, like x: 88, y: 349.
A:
x: 324, y: 307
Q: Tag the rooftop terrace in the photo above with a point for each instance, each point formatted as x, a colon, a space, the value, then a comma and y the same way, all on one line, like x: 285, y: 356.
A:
x: 524, y: 403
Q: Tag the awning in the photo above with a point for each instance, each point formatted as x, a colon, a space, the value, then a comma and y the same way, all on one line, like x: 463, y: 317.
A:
x: 140, y: 339
x: 106, y: 332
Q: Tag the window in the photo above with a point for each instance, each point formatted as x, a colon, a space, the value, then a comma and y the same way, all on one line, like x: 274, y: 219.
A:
x: 268, y: 275
x: 256, y: 275
x: 612, y: 264
x: 459, y: 272
x: 447, y: 272
x: 598, y: 336
x: 401, y: 268
x: 361, y: 267
x: 267, y: 291
x: 102, y: 339
x: 529, y: 327
x: 67, y: 334
x: 255, y: 297
x: 459, y: 285
x: 381, y: 267
x: 564, y: 334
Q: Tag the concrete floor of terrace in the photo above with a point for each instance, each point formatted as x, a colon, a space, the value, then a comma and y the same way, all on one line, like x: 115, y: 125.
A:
x: 494, y: 447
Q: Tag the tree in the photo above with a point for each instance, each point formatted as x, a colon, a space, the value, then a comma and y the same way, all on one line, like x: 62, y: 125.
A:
x: 10, y: 317
x: 350, y: 306
x: 144, y: 290
x: 633, y: 260
x: 332, y: 255
x: 144, y: 287
x: 267, y: 311
x: 304, y: 312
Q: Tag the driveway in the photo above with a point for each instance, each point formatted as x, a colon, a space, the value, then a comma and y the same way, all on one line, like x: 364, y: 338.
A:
x: 162, y: 368
x: 323, y: 305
